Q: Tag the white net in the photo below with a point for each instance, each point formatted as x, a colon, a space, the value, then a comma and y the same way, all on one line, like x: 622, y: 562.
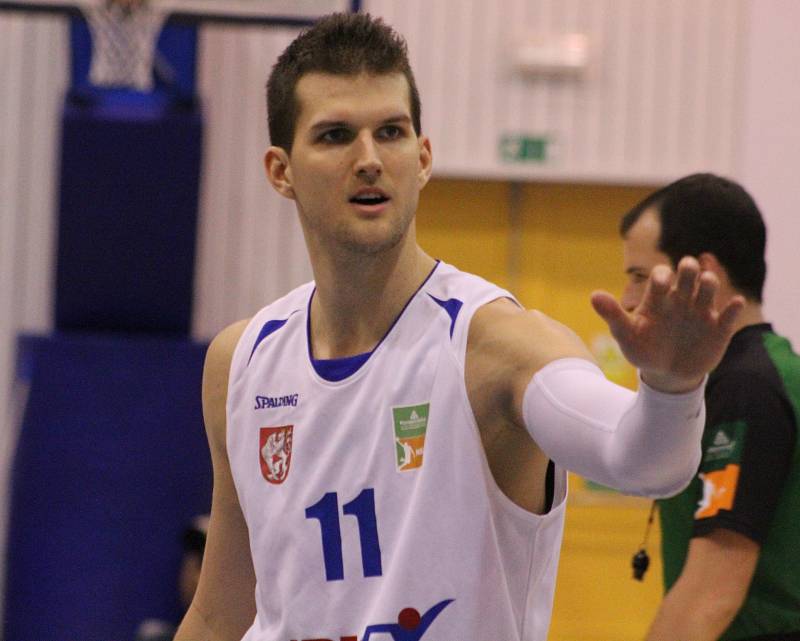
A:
x: 125, y: 32
x: 124, y: 38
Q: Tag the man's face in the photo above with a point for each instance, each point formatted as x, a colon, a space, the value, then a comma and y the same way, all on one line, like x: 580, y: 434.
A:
x: 640, y: 255
x: 356, y: 166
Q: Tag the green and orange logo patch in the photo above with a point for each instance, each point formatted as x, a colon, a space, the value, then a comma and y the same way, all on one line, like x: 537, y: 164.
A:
x: 410, y: 427
x: 722, y: 454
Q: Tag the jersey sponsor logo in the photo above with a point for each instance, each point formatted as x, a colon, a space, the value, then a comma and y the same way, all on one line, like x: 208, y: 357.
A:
x: 723, y: 444
x: 269, y: 402
x: 410, y: 626
x: 275, y: 452
x: 719, y: 490
x: 410, y: 427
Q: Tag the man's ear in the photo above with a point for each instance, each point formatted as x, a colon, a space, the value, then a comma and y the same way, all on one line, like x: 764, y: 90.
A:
x: 279, y: 171
x: 425, y: 161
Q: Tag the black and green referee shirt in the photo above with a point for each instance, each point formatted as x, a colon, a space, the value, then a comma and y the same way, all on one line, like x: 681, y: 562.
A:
x: 749, y: 480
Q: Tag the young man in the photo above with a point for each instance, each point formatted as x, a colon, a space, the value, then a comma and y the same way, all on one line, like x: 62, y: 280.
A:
x: 390, y: 441
x: 731, y: 540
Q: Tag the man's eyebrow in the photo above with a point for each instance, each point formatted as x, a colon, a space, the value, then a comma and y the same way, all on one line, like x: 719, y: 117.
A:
x: 333, y: 124
x: 329, y: 124
x: 405, y: 118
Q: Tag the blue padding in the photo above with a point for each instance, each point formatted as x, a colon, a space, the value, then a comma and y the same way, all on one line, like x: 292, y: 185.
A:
x: 112, y: 464
x: 128, y: 218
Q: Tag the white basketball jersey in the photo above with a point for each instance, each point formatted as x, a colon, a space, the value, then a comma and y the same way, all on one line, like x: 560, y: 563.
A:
x: 372, y: 512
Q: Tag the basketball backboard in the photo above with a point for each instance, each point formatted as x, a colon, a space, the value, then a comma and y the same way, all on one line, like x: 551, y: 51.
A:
x: 266, y: 12
x: 125, y: 42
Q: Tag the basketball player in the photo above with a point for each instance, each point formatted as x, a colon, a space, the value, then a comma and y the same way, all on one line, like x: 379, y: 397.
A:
x: 322, y: 527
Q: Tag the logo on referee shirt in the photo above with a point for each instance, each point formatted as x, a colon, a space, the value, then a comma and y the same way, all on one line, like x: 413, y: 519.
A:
x: 719, y: 490
x: 410, y: 426
x: 275, y: 452
x: 719, y: 472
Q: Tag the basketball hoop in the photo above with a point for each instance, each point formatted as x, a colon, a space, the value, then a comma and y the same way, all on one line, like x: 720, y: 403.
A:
x: 124, y: 37
x: 125, y: 33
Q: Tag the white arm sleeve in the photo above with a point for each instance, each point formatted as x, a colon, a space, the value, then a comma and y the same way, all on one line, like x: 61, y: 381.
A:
x: 645, y: 443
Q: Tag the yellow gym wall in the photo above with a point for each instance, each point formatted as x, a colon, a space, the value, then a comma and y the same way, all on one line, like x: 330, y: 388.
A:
x: 552, y: 245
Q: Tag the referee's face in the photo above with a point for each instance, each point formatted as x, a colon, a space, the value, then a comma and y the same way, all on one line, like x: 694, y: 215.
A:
x: 640, y: 255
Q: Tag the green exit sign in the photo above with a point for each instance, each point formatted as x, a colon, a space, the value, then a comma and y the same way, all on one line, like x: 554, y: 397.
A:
x: 521, y: 148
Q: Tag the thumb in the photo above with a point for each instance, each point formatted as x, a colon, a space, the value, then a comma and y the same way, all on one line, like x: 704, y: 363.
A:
x: 609, y: 309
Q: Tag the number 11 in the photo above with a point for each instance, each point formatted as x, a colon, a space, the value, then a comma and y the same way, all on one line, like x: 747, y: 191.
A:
x: 326, y: 511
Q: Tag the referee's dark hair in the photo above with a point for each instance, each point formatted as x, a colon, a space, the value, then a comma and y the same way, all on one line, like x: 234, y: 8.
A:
x: 707, y: 213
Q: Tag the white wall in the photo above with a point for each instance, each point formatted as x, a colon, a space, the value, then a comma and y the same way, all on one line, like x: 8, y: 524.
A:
x: 659, y: 97
x: 32, y: 79
x: 770, y: 149
x: 250, y: 246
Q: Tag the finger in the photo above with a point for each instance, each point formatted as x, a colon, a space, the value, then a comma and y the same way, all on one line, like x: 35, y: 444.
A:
x: 728, y: 316
x: 658, y: 286
x: 688, y: 271
x: 706, y: 290
x: 609, y: 309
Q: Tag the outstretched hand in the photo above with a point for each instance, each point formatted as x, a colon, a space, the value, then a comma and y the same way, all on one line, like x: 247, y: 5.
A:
x: 675, y: 336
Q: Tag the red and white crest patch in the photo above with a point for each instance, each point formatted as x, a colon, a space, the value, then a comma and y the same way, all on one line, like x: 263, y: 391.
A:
x: 275, y: 452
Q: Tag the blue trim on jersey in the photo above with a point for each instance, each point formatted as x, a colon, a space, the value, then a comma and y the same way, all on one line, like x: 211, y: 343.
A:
x: 338, y: 369
x: 341, y: 365
x: 269, y: 327
x: 452, y: 306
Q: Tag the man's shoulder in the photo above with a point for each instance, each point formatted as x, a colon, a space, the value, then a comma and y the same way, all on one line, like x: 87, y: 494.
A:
x: 239, y: 340
x: 448, y: 282
x: 220, y: 351
x: 295, y: 299
x: 757, y: 359
x: 782, y: 352
x: 758, y: 383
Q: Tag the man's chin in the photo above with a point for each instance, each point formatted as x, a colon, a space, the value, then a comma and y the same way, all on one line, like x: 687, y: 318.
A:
x: 372, y: 244
x: 372, y: 249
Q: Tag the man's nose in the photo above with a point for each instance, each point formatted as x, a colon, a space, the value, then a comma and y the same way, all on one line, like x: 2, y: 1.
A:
x: 368, y: 161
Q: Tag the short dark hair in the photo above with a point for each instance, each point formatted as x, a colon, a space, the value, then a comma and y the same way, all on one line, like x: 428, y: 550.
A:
x: 343, y: 44
x: 707, y: 213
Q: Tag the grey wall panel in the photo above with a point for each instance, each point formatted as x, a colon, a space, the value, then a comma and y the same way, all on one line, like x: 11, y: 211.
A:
x: 660, y: 96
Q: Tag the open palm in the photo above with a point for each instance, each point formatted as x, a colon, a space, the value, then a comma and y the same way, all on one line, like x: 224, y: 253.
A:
x: 675, y: 336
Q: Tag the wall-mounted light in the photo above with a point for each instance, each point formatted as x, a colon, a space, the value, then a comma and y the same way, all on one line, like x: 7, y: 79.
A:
x: 551, y: 55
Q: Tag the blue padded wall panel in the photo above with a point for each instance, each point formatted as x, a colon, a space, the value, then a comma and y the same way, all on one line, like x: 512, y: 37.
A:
x: 128, y: 218
x: 111, y: 465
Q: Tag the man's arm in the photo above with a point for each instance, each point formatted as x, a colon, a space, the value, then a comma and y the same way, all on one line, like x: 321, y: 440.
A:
x: 710, y: 590
x: 224, y: 604
x: 646, y: 443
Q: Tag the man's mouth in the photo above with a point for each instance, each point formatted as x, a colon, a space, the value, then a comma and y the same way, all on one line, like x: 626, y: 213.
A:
x: 369, y: 198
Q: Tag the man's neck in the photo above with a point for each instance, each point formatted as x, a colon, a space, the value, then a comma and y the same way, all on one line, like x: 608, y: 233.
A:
x: 357, y: 301
x: 751, y: 314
